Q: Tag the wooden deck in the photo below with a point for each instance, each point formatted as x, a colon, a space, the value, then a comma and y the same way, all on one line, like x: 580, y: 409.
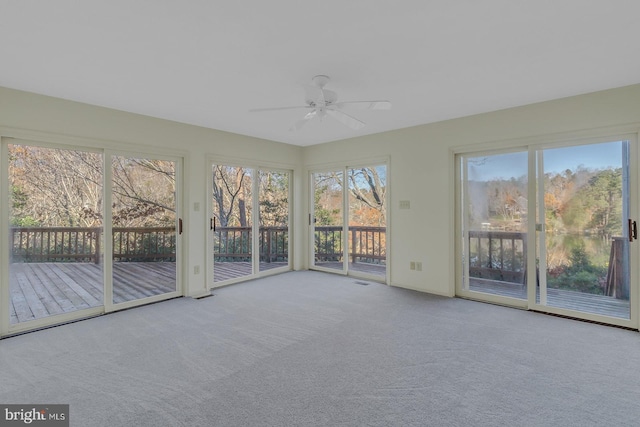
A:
x: 558, y: 298
x: 45, y: 289
x: 40, y: 290
x: 232, y: 270
x: 360, y: 267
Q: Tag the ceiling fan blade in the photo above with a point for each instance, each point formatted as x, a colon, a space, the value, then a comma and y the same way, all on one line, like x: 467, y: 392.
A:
x: 255, y: 110
x: 300, y: 123
x: 343, y: 117
x: 365, y: 105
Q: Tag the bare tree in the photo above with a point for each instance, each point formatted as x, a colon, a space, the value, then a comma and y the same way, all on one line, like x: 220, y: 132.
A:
x: 57, y: 185
x: 231, y: 186
x: 143, y: 192
x: 368, y: 186
x: 274, y: 198
x: 60, y: 187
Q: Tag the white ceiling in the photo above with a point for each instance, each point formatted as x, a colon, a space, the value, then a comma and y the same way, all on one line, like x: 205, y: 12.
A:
x: 207, y: 62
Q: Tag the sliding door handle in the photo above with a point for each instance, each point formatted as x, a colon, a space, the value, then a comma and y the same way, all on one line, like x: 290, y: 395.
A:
x: 633, y: 230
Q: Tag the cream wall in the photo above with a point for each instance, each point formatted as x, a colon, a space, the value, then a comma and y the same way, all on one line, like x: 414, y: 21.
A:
x: 40, y: 118
x: 422, y: 163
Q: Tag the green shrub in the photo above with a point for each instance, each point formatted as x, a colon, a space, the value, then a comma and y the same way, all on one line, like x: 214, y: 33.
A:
x: 581, y: 275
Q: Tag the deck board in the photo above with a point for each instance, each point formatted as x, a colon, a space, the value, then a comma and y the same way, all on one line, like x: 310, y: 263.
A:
x: 25, y: 300
x: 41, y: 290
x: 72, y: 289
x: 90, y: 275
x: 40, y: 278
x: 25, y: 286
x: 558, y: 298
x: 360, y: 267
x: 44, y: 289
x: 142, y: 281
x: 232, y: 270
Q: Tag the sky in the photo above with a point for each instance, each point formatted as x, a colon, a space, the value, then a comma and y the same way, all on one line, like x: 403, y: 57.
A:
x: 514, y: 165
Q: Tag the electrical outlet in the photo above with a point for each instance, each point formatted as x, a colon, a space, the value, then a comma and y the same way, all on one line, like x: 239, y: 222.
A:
x: 418, y: 266
x: 196, y: 269
x: 412, y: 265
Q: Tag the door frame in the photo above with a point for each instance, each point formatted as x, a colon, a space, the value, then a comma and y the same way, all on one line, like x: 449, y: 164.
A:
x: 255, y: 220
x: 110, y: 306
x: 5, y: 286
x: 533, y: 146
x: 536, y: 166
x: 95, y: 146
x: 311, y: 223
x: 344, y: 167
x: 462, y: 268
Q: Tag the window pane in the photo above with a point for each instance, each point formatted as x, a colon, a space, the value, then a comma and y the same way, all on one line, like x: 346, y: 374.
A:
x: 55, y: 231
x: 274, y: 219
x: 144, y: 227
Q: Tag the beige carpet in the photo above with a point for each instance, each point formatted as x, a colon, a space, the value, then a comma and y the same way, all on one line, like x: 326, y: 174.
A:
x: 314, y: 349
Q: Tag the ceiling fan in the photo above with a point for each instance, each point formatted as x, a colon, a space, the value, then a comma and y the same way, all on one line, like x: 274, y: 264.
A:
x: 324, y: 102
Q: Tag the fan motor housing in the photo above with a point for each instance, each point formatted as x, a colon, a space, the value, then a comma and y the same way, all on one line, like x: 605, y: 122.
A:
x: 330, y: 97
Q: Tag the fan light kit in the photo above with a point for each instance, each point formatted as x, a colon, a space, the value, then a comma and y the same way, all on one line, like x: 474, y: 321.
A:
x: 324, y: 102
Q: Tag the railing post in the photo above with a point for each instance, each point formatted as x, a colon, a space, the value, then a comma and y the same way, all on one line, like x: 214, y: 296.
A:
x: 268, y: 250
x: 97, y: 254
x: 353, y: 244
x: 616, y: 284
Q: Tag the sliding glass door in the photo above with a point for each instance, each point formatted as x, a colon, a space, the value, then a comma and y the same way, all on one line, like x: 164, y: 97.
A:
x: 231, y: 222
x: 349, y: 222
x: 583, y: 237
x: 494, y: 224
x: 144, y: 226
x: 572, y: 205
x: 55, y: 232
x: 328, y: 219
x: 273, y: 218
x: 68, y: 208
x: 245, y: 244
x: 367, y: 219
